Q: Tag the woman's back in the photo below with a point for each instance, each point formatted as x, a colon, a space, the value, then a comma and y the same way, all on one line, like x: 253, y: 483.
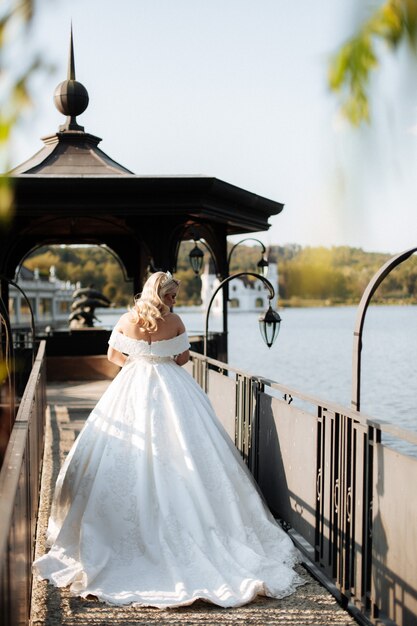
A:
x: 154, y: 505
x: 169, y: 326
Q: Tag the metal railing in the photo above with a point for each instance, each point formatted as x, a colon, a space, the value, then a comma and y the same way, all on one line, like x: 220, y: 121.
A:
x: 348, y: 500
x: 17, y: 353
x: 19, y: 497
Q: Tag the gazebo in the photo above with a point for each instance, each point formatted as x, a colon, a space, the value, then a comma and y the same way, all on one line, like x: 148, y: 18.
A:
x: 71, y: 192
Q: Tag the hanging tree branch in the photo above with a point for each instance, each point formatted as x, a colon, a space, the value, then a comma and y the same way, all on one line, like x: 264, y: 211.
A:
x: 350, y: 68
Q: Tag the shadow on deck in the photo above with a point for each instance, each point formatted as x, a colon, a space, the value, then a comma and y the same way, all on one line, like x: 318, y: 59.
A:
x: 69, y: 404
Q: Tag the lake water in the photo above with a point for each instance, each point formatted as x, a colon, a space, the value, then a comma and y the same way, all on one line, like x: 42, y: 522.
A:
x: 313, y: 354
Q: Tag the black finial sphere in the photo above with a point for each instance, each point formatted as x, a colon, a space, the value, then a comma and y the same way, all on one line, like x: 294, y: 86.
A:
x: 71, y: 98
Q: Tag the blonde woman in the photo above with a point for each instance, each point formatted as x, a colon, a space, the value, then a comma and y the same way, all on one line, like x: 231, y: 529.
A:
x: 153, y: 505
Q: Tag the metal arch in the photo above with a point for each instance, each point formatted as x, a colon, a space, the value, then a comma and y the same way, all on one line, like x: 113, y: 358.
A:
x: 265, y: 281
x: 373, y: 284
x: 238, y: 244
x: 32, y: 317
x: 55, y: 240
x: 204, y: 243
x: 8, y: 353
x: 97, y: 218
x: 116, y: 257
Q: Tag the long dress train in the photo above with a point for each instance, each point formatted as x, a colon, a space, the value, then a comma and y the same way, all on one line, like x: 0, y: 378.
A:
x: 154, y: 506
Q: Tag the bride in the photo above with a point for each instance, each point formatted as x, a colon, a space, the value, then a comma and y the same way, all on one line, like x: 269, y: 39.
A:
x: 154, y: 505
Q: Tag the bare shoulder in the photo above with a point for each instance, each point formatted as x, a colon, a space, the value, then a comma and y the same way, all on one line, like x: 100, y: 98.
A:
x: 176, y: 322
x: 124, y: 322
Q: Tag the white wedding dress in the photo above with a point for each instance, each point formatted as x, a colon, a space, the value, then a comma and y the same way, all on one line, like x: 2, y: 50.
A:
x: 154, y: 505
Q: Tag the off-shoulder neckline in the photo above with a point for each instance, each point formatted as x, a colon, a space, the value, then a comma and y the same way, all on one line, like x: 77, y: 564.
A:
x: 150, y: 343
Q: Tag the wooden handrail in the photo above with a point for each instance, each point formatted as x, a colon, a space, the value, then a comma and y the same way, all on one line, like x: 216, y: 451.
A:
x: 20, y: 471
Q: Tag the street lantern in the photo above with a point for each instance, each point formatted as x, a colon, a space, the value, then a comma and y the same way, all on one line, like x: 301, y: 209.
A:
x: 269, y: 322
x: 263, y: 266
x: 196, y: 257
x: 269, y: 325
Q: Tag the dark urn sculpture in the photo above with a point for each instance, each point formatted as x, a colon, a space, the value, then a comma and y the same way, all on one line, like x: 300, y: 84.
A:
x: 85, y: 301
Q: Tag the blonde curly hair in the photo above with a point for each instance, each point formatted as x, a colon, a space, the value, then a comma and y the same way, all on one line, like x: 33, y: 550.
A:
x: 150, y: 307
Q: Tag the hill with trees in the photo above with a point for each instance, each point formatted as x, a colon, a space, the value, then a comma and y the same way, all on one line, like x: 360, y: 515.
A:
x: 307, y: 276
x: 339, y: 275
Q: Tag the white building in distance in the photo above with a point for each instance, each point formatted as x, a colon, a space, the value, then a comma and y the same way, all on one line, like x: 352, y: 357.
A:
x: 244, y: 295
x: 50, y: 299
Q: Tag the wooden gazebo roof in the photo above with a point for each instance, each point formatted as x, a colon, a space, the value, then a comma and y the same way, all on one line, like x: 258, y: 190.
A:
x: 72, y: 192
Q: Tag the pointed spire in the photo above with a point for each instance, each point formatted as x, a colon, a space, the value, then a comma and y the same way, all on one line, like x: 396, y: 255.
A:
x: 71, y: 61
x: 71, y: 97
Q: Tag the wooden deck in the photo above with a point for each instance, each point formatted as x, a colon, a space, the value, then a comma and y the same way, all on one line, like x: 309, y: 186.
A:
x: 69, y: 404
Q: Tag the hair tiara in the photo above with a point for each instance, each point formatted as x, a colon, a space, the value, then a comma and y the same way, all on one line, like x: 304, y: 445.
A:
x: 168, y: 281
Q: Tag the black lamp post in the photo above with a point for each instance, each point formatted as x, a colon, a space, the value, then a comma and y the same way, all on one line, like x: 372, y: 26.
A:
x: 196, y: 257
x: 262, y: 264
x: 373, y: 284
x: 269, y: 322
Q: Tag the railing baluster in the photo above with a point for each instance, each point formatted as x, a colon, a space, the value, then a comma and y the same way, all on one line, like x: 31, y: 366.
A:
x: 19, y: 494
x: 343, y: 480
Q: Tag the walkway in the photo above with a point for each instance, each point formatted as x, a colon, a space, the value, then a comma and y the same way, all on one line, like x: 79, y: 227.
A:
x: 68, y: 406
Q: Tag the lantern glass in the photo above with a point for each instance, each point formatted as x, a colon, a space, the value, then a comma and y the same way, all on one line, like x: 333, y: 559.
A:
x: 196, y: 257
x: 263, y: 266
x: 269, y: 325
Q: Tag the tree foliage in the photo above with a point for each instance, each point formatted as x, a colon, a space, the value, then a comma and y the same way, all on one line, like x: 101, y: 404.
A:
x: 91, y: 265
x: 15, y: 20
x: 311, y: 275
x: 339, y: 275
x: 15, y: 16
x: 351, y: 67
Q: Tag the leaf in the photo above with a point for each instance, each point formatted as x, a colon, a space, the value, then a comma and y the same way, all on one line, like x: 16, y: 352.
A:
x: 6, y: 200
x: 4, y: 372
x: 410, y: 22
x: 3, y: 29
x: 350, y: 69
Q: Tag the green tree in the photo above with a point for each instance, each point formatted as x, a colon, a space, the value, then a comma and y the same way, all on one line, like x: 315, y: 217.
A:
x: 306, y: 275
x: 15, y: 21
x: 15, y: 17
x: 87, y: 264
x: 350, y: 68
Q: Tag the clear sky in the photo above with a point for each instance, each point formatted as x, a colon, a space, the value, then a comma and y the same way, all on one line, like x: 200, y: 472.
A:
x: 237, y: 89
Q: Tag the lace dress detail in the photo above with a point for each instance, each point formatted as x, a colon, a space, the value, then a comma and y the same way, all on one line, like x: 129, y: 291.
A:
x: 140, y: 348
x: 154, y: 505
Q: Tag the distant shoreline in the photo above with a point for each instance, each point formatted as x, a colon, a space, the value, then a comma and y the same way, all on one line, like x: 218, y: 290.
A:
x: 293, y: 303
x: 307, y: 303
